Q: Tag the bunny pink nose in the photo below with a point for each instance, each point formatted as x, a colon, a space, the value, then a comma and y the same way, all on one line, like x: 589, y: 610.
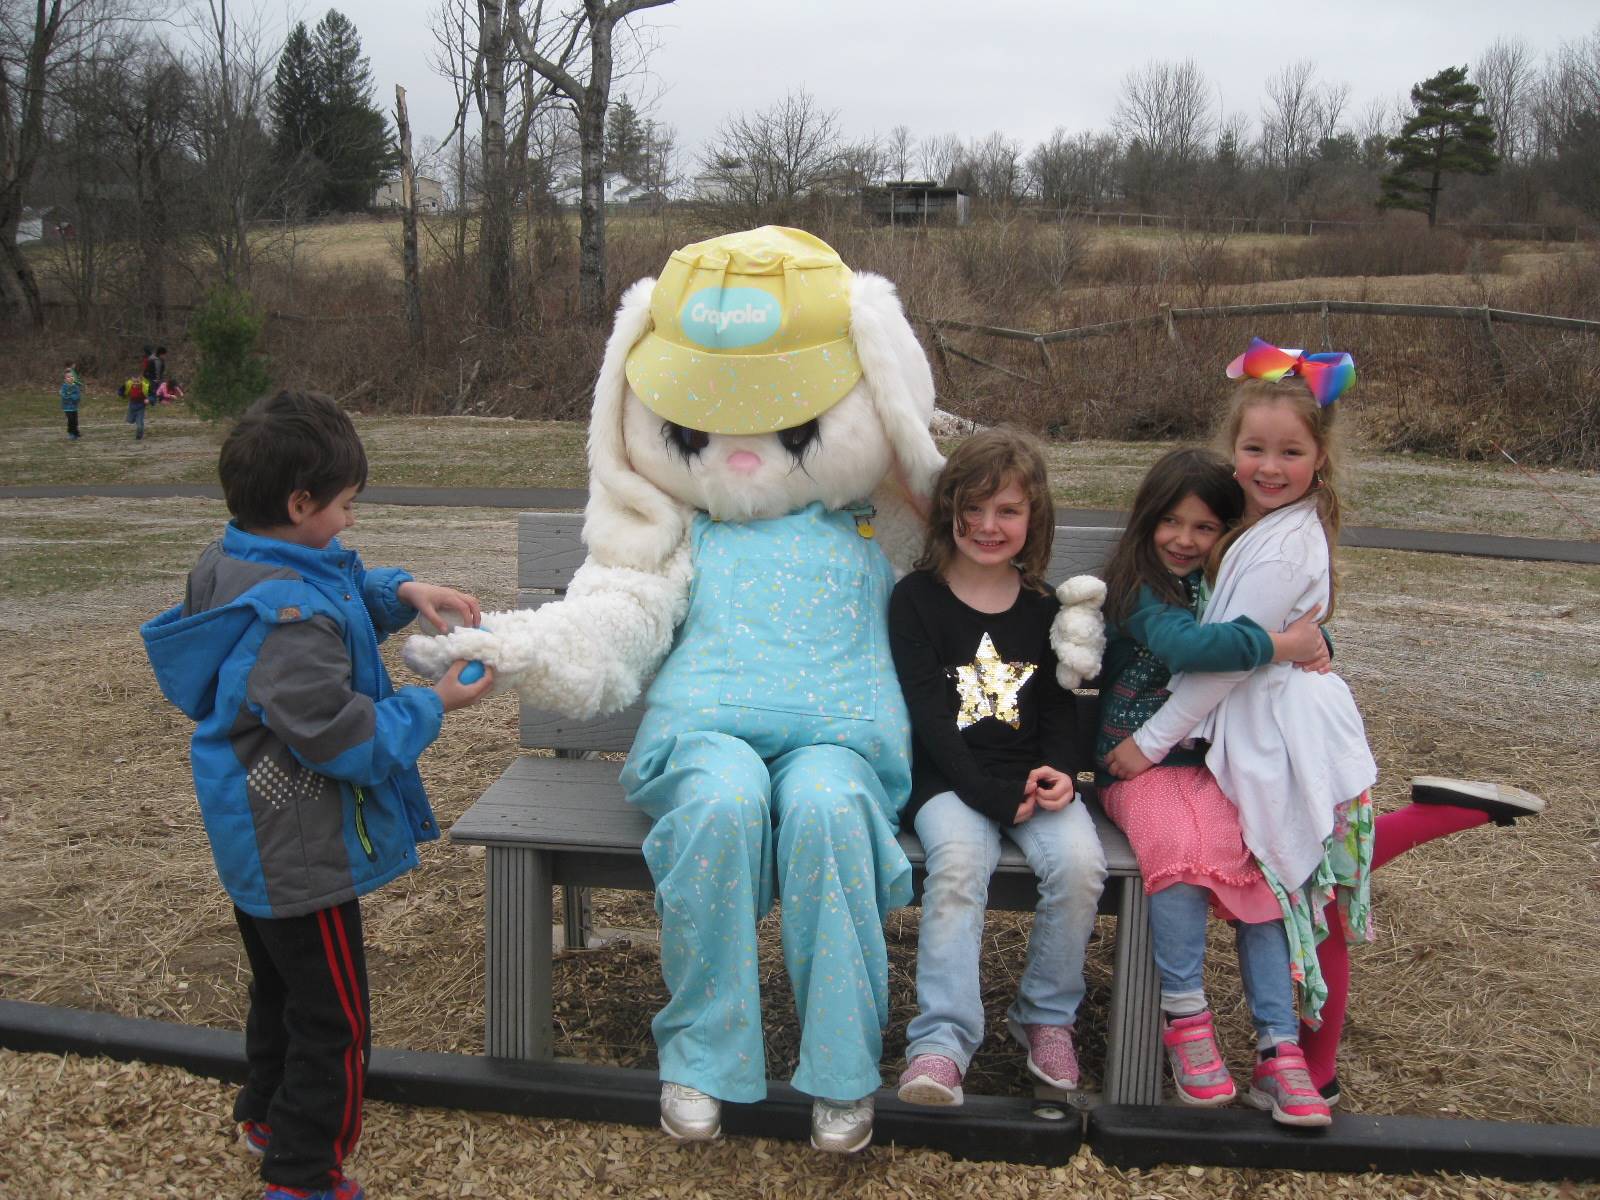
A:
x: 744, y: 461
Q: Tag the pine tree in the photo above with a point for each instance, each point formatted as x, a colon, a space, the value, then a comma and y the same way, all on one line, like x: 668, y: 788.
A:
x: 1447, y: 135
x: 354, y: 135
x: 625, y: 141
x: 296, y: 99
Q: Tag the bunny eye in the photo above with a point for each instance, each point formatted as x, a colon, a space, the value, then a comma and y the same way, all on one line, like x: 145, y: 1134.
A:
x: 687, y: 442
x: 796, y: 440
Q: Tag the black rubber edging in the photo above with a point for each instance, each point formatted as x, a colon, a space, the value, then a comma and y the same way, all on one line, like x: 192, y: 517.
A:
x: 985, y: 1128
x: 1129, y: 1136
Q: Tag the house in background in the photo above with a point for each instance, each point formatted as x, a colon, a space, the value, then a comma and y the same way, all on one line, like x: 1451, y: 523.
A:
x: 43, y: 225
x: 619, y: 189
x: 430, y: 195
x: 915, y: 202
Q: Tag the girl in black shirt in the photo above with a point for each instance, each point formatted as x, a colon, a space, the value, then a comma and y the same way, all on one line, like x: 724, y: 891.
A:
x: 992, y: 752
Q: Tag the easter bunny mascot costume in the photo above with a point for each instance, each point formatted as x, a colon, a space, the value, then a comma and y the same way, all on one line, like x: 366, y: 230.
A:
x: 759, y: 453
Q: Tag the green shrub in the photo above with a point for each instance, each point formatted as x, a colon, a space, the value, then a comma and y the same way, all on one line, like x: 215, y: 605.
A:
x: 231, y: 373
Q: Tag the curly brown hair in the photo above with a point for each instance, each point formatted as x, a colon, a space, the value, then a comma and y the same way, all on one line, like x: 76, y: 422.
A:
x: 978, y: 468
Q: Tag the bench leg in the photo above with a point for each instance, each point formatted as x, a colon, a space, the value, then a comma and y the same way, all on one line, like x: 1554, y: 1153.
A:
x: 517, y: 956
x: 575, y: 917
x: 1133, y: 1036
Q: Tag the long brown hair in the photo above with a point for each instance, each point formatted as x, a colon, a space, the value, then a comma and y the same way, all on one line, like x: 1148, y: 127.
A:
x: 977, y: 469
x: 1319, y: 423
x: 1193, y: 471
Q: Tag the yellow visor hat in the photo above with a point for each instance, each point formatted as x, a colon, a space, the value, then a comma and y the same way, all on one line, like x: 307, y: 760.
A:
x: 751, y: 334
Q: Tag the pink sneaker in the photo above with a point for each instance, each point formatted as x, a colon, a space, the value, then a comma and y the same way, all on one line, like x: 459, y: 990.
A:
x: 1199, y: 1075
x: 1051, y: 1056
x: 931, y: 1079
x: 1283, y: 1085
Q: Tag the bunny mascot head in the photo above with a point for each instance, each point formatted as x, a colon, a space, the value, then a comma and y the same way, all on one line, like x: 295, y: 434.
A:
x: 759, y: 453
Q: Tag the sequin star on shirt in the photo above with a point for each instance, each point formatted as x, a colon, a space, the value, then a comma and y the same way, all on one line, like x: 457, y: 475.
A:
x: 988, y: 687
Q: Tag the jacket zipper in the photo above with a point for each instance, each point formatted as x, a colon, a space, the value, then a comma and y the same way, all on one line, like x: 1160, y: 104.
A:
x: 361, y: 822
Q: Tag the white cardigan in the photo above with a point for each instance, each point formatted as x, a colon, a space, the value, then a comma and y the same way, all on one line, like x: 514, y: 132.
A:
x: 1287, y: 746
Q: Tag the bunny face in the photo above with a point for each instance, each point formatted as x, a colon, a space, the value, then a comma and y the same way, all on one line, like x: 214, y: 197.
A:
x: 837, y: 458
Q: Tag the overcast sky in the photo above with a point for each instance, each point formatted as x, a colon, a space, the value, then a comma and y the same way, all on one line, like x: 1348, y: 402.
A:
x: 1023, y: 67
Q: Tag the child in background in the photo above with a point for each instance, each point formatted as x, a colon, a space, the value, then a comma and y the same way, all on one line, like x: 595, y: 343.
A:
x: 1183, y: 830
x: 71, y: 397
x: 993, y: 753
x: 168, y: 391
x: 133, y: 391
x: 304, y: 762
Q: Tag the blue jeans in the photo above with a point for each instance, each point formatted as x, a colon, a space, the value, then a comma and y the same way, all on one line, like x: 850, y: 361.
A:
x: 1178, y: 935
x: 963, y: 848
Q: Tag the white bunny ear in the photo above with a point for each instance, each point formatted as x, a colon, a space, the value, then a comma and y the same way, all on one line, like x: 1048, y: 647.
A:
x: 901, y: 384
x: 628, y: 522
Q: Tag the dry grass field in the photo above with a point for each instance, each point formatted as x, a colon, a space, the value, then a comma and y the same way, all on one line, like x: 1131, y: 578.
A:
x: 1476, y: 1001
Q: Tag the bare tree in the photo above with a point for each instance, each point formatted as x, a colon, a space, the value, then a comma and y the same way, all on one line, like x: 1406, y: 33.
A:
x: 1505, y: 75
x: 898, y: 147
x: 455, y: 35
x: 547, y: 47
x: 1163, y: 113
x: 235, y: 181
x: 35, y: 40
x: 1289, y: 122
x: 766, y: 163
x: 939, y: 156
x: 994, y: 170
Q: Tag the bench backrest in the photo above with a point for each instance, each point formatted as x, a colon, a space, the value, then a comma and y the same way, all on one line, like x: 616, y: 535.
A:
x: 549, y: 550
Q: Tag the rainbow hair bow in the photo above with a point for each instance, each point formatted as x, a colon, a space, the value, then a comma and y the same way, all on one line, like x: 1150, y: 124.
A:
x: 1327, y: 375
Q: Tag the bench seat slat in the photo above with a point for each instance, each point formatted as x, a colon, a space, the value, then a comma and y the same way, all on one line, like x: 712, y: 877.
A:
x: 564, y: 803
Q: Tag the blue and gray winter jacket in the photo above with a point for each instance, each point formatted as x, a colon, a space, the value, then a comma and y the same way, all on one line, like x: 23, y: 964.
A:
x: 304, y: 756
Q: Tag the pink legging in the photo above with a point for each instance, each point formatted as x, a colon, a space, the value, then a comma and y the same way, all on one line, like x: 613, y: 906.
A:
x: 1393, y: 834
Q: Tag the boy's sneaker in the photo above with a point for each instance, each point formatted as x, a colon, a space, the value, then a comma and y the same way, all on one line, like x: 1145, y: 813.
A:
x: 1282, y: 1085
x: 257, y: 1136
x: 688, y: 1115
x: 1051, y: 1056
x: 1503, y: 803
x: 1199, y: 1075
x: 345, y: 1189
x: 841, y: 1126
x: 931, y: 1079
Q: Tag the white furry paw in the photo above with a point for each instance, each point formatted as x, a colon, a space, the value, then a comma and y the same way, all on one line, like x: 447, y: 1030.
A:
x: 431, y: 657
x: 1078, y: 633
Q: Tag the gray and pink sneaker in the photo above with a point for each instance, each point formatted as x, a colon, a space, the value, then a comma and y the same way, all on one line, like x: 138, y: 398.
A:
x: 931, y: 1079
x: 1199, y: 1075
x: 1282, y: 1085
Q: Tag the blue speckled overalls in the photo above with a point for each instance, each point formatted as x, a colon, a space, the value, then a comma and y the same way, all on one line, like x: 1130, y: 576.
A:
x: 776, y: 719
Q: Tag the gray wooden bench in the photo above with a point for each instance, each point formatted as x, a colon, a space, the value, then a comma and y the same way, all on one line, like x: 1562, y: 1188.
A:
x: 562, y: 820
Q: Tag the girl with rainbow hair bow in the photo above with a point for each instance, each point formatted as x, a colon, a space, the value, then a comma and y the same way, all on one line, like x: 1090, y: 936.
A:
x: 1288, y: 747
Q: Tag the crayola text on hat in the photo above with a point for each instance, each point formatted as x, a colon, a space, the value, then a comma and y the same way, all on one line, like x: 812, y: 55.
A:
x: 751, y: 334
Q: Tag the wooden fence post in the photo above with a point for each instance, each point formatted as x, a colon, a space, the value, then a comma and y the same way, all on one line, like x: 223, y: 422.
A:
x: 1495, y: 356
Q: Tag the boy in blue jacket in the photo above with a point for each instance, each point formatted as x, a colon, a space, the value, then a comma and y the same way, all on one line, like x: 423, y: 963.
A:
x: 305, y: 765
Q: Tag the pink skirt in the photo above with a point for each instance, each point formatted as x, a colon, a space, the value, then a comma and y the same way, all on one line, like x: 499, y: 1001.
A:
x: 1184, y: 830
